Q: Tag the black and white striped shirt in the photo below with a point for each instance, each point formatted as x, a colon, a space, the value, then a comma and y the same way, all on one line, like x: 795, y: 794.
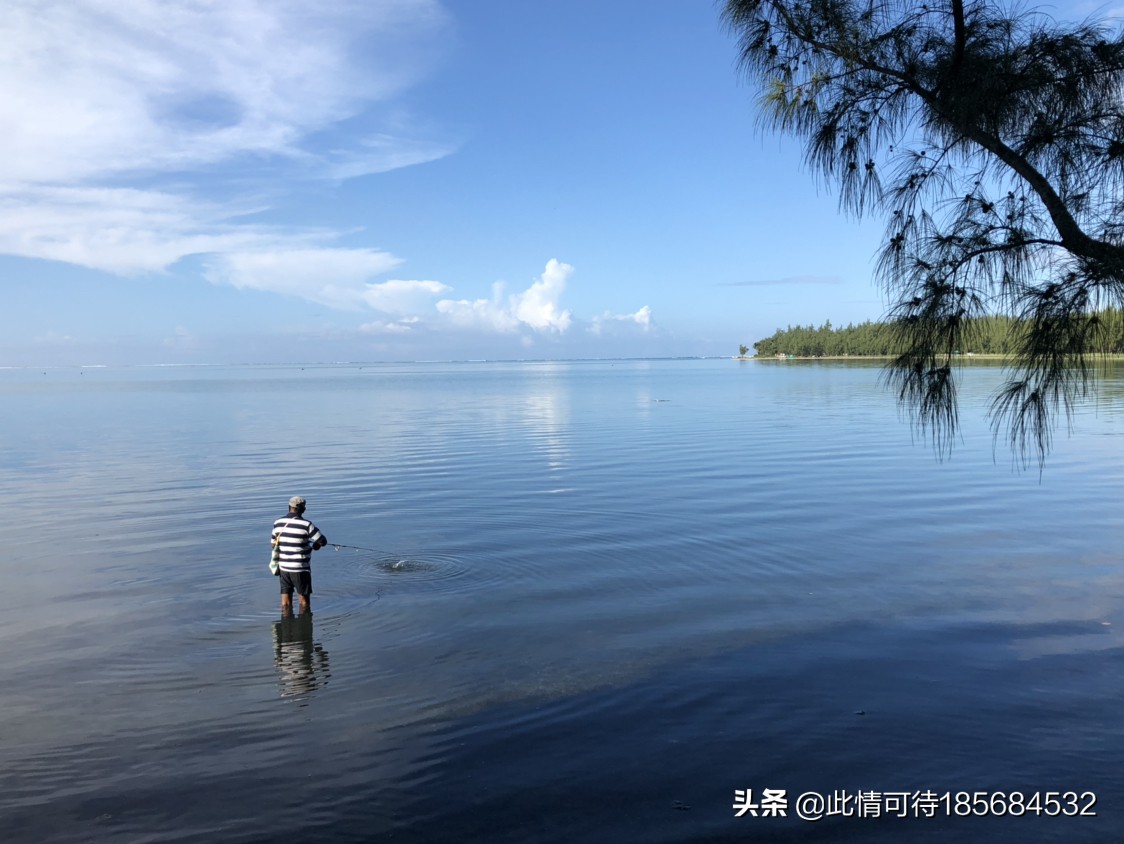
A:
x: 298, y: 535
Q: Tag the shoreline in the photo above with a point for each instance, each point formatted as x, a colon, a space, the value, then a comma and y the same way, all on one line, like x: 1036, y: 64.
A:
x: 970, y: 356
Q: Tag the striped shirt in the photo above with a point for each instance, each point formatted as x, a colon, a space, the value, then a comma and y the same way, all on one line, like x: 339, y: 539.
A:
x: 298, y: 535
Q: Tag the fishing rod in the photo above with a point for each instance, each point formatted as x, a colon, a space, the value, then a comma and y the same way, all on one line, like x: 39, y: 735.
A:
x: 339, y: 545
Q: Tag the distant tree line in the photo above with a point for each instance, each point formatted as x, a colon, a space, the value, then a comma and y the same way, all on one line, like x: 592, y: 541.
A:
x: 993, y: 335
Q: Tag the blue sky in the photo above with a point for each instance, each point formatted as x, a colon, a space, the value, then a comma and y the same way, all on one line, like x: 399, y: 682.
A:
x: 277, y: 181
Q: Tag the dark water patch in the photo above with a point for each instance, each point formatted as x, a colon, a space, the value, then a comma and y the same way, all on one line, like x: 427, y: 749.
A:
x: 849, y: 710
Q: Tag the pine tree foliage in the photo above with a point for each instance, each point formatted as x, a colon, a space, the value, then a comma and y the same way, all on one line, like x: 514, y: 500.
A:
x: 991, y: 140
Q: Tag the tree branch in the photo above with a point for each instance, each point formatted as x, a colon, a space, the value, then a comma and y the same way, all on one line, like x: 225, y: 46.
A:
x: 959, y: 38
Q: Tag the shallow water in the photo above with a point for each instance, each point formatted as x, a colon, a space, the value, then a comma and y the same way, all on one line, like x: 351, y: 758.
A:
x: 594, y: 599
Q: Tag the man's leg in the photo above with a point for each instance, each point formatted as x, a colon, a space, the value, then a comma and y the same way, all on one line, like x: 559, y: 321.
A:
x: 305, y: 591
x: 286, y: 593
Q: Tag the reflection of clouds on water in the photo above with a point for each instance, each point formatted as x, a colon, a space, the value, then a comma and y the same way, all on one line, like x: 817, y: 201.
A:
x: 302, y: 664
x: 547, y: 416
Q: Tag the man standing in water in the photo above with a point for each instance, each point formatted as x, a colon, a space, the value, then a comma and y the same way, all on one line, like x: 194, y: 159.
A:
x: 296, y: 538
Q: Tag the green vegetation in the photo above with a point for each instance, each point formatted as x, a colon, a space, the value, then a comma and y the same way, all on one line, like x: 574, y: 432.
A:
x: 995, y: 335
x: 868, y: 338
x: 990, y: 139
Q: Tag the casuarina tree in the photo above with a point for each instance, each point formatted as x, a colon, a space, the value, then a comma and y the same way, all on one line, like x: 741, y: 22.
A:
x: 990, y: 138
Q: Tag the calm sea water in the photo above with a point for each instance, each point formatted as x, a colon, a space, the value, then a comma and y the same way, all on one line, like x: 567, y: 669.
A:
x: 597, y: 599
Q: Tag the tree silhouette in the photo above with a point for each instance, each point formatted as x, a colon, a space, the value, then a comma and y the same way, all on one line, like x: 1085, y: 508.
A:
x: 991, y: 139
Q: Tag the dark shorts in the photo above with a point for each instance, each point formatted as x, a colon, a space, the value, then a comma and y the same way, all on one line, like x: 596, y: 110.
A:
x: 299, y: 581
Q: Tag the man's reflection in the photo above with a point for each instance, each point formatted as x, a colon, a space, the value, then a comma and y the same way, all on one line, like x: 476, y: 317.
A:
x: 302, y: 666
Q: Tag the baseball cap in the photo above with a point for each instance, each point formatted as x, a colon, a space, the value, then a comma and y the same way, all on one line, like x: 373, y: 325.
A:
x: 295, y: 502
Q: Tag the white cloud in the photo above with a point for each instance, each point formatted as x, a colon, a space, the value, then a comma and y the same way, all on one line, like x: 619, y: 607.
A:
x: 111, y: 109
x: 537, y: 307
x: 382, y: 153
x: 404, y: 326
x: 486, y: 314
x: 333, y: 277
x: 139, y: 133
x: 91, y: 88
x: 398, y: 296
x: 120, y: 230
x: 642, y: 317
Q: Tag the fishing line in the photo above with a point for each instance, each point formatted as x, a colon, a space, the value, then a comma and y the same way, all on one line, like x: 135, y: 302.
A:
x: 375, y: 551
x: 399, y: 563
x: 339, y: 545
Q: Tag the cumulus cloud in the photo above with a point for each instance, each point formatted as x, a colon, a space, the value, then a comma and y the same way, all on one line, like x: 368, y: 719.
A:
x: 537, y: 307
x: 488, y: 314
x: 642, y: 318
x: 399, y: 296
